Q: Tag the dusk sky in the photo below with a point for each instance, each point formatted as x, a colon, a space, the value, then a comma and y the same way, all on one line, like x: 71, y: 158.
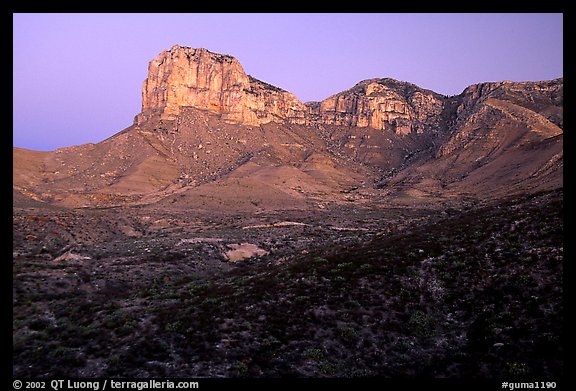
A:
x: 78, y: 77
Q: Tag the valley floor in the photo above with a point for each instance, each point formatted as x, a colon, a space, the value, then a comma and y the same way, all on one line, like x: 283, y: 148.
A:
x: 349, y: 291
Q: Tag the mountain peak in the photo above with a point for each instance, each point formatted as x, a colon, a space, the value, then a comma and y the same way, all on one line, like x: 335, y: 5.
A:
x: 196, y: 77
x: 193, y: 100
x: 191, y: 52
x: 384, y: 104
x: 199, y: 78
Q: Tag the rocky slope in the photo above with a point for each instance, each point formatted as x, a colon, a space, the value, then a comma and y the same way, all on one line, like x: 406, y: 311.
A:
x: 502, y: 138
x: 537, y: 106
x: 209, y: 131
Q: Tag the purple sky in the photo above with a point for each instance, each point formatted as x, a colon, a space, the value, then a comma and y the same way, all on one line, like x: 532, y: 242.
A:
x: 78, y: 77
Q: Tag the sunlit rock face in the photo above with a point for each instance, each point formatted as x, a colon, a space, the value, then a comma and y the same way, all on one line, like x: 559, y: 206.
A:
x: 187, y: 77
x: 382, y: 104
x: 184, y: 76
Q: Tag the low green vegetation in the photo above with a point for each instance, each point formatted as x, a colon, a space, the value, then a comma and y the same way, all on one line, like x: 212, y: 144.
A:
x: 464, y: 295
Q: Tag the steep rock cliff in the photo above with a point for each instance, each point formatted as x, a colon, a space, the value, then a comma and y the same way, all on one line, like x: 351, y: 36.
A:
x: 187, y: 77
x: 382, y: 104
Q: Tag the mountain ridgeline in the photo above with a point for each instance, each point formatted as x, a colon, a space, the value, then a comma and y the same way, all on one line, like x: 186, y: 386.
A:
x: 209, y: 131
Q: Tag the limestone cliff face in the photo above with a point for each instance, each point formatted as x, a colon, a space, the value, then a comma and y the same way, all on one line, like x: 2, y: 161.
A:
x: 382, y: 104
x: 188, y: 77
x: 184, y: 76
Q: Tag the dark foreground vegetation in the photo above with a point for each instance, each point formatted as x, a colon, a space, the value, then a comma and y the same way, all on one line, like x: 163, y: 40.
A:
x: 468, y: 293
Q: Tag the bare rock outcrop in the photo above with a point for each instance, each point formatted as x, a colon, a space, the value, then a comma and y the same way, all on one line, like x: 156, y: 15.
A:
x: 382, y: 104
x: 188, y: 77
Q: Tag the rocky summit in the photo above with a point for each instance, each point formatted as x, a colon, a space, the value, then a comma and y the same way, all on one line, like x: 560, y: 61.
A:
x: 204, y: 121
x: 186, y: 77
x: 234, y: 231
